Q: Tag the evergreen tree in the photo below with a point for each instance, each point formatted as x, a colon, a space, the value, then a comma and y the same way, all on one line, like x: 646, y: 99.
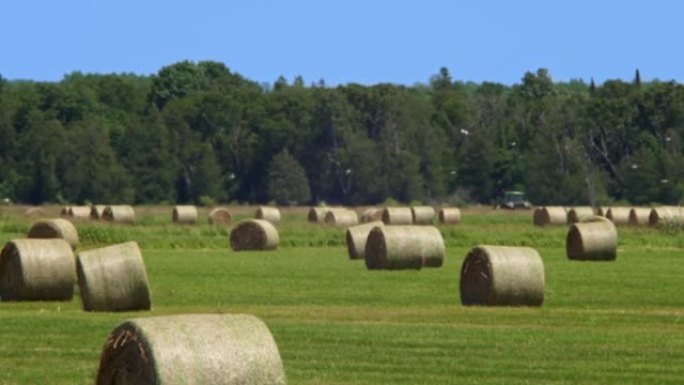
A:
x: 287, y: 181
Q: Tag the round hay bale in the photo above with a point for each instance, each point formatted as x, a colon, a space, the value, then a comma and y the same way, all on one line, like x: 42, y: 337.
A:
x: 55, y: 228
x: 119, y: 214
x: 271, y: 214
x: 639, y: 216
x: 594, y: 239
x: 666, y: 215
x: 341, y: 217
x: 96, y: 212
x: 219, y: 216
x: 550, y: 215
x: 357, y: 237
x: 449, y: 215
x: 618, y: 215
x: 371, y: 214
x: 601, y: 211
x: 422, y: 215
x: 578, y: 214
x: 184, y: 215
x: 254, y: 234
x: 79, y: 212
x: 404, y: 247
x: 65, y: 212
x: 35, y: 212
x: 113, y: 278
x: 502, y: 276
x: 397, y: 216
x: 211, y: 349
x: 317, y: 214
x: 37, y: 270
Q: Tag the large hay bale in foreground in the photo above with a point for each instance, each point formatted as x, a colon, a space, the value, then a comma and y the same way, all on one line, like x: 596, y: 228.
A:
x: 254, y: 234
x: 397, y: 216
x: 119, y: 214
x: 35, y: 212
x: 271, y: 214
x: 219, y: 216
x: 207, y: 349
x: 184, y: 214
x: 618, y: 215
x: 79, y: 212
x: 404, y: 247
x: 357, y: 237
x: 113, y: 278
x: 449, y: 215
x: 55, y: 228
x: 422, y: 215
x: 639, y: 216
x: 341, y: 217
x: 96, y: 212
x: 578, y: 214
x: 502, y: 276
x: 37, y: 270
x: 317, y: 214
x: 550, y: 215
x: 666, y: 215
x: 594, y: 239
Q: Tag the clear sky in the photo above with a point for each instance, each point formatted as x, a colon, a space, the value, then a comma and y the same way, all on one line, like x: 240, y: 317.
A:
x: 362, y: 41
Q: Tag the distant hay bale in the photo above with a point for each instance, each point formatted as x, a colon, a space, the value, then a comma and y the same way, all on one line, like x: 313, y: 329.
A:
x: 397, y: 216
x: 219, y: 216
x: 371, y: 214
x: 317, y: 214
x: 35, y: 212
x: 79, y: 212
x: 594, y: 239
x: 639, y: 216
x: 65, y: 212
x: 254, y: 234
x: 55, y: 228
x: 601, y: 211
x: 423, y: 215
x: 341, y: 217
x: 211, y: 349
x: 113, y: 278
x: 578, y: 214
x: 357, y: 237
x: 96, y: 212
x: 404, y: 247
x: 449, y: 215
x: 502, y: 276
x: 618, y: 215
x: 37, y: 270
x: 666, y: 215
x: 184, y: 214
x: 550, y: 215
x: 271, y: 214
x: 119, y: 214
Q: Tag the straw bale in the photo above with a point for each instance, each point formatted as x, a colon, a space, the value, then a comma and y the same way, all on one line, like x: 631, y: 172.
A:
x: 666, y: 215
x: 397, y: 216
x: 404, y: 247
x: 550, y: 215
x: 55, y: 228
x: 207, y: 349
x: 254, y: 234
x: 219, y: 216
x: 79, y: 212
x: 578, y: 214
x: 341, y: 217
x: 594, y: 239
x: 271, y: 214
x: 371, y: 214
x: 317, y: 214
x: 618, y: 215
x: 449, y: 215
x: 96, y: 212
x: 357, y: 237
x: 184, y: 214
x: 639, y: 216
x: 113, y: 278
x: 119, y: 214
x: 502, y: 276
x: 35, y: 212
x: 423, y: 215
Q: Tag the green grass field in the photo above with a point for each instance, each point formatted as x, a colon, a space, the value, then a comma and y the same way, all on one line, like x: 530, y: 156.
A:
x: 335, y: 322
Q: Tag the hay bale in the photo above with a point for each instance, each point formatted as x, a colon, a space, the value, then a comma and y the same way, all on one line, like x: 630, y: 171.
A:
x: 37, y: 270
x: 601, y: 211
x: 219, y: 216
x: 65, y: 212
x: 209, y: 349
x: 578, y: 214
x: 271, y: 214
x: 449, y: 215
x: 184, y: 215
x: 254, y: 234
x: 35, y: 212
x: 594, y: 239
x: 317, y: 214
x: 357, y: 237
x: 639, y: 216
x: 618, y: 215
x: 113, y: 278
x: 666, y: 215
x: 550, y: 215
x: 96, y: 212
x: 119, y: 214
x: 404, y: 247
x: 371, y: 214
x: 397, y: 216
x: 422, y: 215
x: 79, y: 212
x: 55, y: 228
x: 502, y: 276
x: 341, y: 217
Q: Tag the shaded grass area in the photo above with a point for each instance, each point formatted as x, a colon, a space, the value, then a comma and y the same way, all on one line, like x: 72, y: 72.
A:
x: 337, y: 323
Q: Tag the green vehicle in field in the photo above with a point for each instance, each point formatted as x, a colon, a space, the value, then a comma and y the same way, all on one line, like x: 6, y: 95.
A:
x: 513, y: 200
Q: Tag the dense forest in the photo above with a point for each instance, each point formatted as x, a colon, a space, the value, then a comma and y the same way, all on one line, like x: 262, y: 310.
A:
x: 200, y: 133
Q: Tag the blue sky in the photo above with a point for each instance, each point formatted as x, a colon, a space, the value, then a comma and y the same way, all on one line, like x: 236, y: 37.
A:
x: 358, y: 41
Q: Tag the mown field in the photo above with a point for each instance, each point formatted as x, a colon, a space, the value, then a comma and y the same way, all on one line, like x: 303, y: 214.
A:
x: 335, y: 322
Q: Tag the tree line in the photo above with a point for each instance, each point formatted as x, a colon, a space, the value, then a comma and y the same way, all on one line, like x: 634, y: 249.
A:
x: 200, y: 133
